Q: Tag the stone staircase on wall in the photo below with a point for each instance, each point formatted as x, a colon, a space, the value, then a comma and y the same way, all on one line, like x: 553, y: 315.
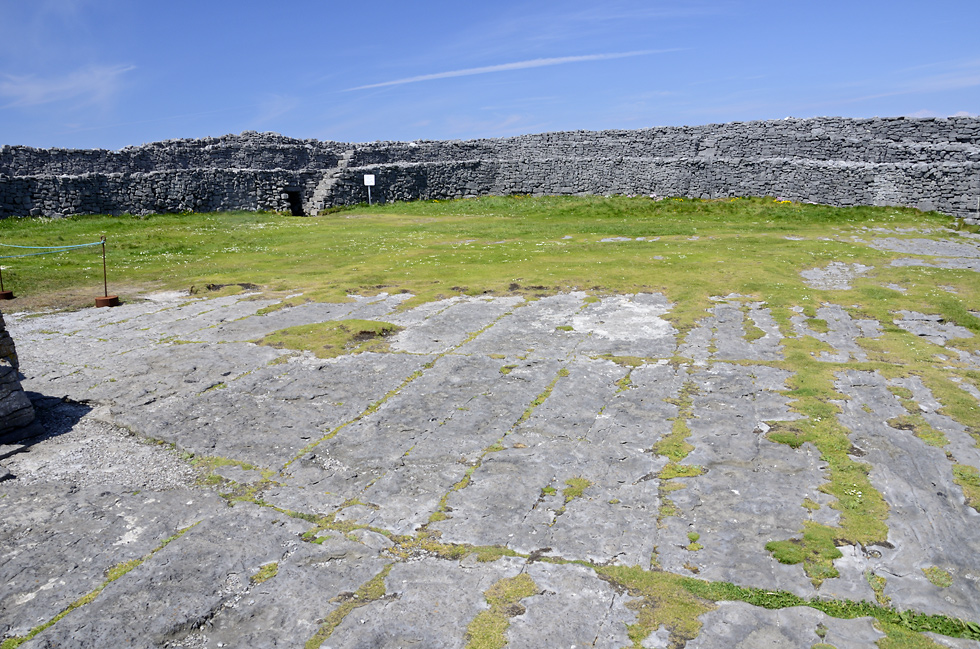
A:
x: 323, y: 193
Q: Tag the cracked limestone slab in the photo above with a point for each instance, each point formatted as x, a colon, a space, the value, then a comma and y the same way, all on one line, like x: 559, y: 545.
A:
x: 933, y: 328
x: 752, y: 489
x: 269, y: 416
x: 929, y: 523
x: 532, y: 330
x: 59, y: 540
x: 722, y: 334
x: 963, y: 446
x: 928, y: 247
x: 181, y: 586
x: 627, y: 325
x: 737, y: 625
x: 835, y: 276
x: 244, y: 323
x: 466, y: 404
x: 377, y: 444
x: 254, y: 326
x: 80, y: 448
x: 507, y: 503
x: 100, y: 374
x: 953, y: 264
x: 843, y: 333
x: 448, y: 595
x: 575, y: 609
x: 286, y: 610
x: 450, y: 325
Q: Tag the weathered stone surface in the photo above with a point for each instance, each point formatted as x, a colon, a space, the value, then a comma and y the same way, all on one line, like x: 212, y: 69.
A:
x: 835, y: 276
x: 493, y: 422
x: 181, y: 586
x: 16, y: 411
x: 842, y: 333
x: 447, y: 595
x: 286, y: 610
x: 929, y: 523
x: 931, y: 327
x: 573, y: 609
x: 735, y: 625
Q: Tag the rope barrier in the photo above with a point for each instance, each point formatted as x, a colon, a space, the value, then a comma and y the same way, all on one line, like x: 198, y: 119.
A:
x: 47, y: 249
x: 78, y: 245
x: 106, y: 300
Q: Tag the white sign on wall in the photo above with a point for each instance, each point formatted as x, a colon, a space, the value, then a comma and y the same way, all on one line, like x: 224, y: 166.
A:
x: 369, y: 180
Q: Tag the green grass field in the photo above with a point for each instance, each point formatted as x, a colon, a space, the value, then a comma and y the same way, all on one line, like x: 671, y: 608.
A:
x: 692, y: 249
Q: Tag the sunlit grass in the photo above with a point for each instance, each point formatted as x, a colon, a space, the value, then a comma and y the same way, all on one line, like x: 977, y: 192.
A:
x: 487, y: 245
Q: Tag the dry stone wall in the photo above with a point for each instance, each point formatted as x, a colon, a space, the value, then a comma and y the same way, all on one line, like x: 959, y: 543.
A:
x: 16, y: 411
x: 932, y: 164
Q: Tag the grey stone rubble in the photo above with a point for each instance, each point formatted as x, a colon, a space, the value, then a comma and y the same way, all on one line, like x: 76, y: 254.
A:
x: 931, y: 164
x: 16, y: 411
x: 483, y: 410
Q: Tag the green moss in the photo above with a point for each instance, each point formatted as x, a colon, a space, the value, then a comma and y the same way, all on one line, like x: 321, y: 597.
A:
x: 877, y: 584
x: 624, y: 383
x: 575, y: 488
x: 900, y: 392
x: 938, y: 577
x: 659, y: 599
x: 862, y: 508
x: 283, y: 304
x: 265, y: 573
x: 369, y: 592
x: 898, y: 637
x: 752, y: 331
x: 901, y: 626
x: 818, y: 325
x: 507, y: 369
x: 428, y: 542
x: 488, y: 629
x: 333, y: 338
x: 918, y: 425
x: 674, y: 470
x: 968, y: 478
x: 626, y: 361
x: 816, y: 550
x: 564, y: 328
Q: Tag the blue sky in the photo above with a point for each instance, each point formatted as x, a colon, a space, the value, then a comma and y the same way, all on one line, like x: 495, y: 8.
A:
x: 111, y: 73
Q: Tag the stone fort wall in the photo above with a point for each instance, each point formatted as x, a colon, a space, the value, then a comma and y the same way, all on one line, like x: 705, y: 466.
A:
x: 932, y: 164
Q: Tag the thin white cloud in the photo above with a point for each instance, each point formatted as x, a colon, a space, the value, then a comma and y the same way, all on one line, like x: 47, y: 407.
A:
x: 272, y: 107
x: 94, y: 84
x: 518, y: 65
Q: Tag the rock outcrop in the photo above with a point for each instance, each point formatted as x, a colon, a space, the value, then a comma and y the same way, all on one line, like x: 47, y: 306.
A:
x: 16, y: 411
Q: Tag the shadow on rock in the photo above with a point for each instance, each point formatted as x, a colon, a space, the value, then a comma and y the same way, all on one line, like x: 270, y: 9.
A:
x: 53, y: 416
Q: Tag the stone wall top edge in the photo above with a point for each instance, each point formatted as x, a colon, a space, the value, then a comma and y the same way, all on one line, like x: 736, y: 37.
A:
x: 271, y: 138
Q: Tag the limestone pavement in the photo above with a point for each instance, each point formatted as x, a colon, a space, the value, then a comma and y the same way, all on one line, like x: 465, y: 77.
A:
x: 499, y: 427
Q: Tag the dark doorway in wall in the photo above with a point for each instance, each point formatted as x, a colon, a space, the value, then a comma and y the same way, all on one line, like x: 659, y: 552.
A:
x: 295, y: 202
